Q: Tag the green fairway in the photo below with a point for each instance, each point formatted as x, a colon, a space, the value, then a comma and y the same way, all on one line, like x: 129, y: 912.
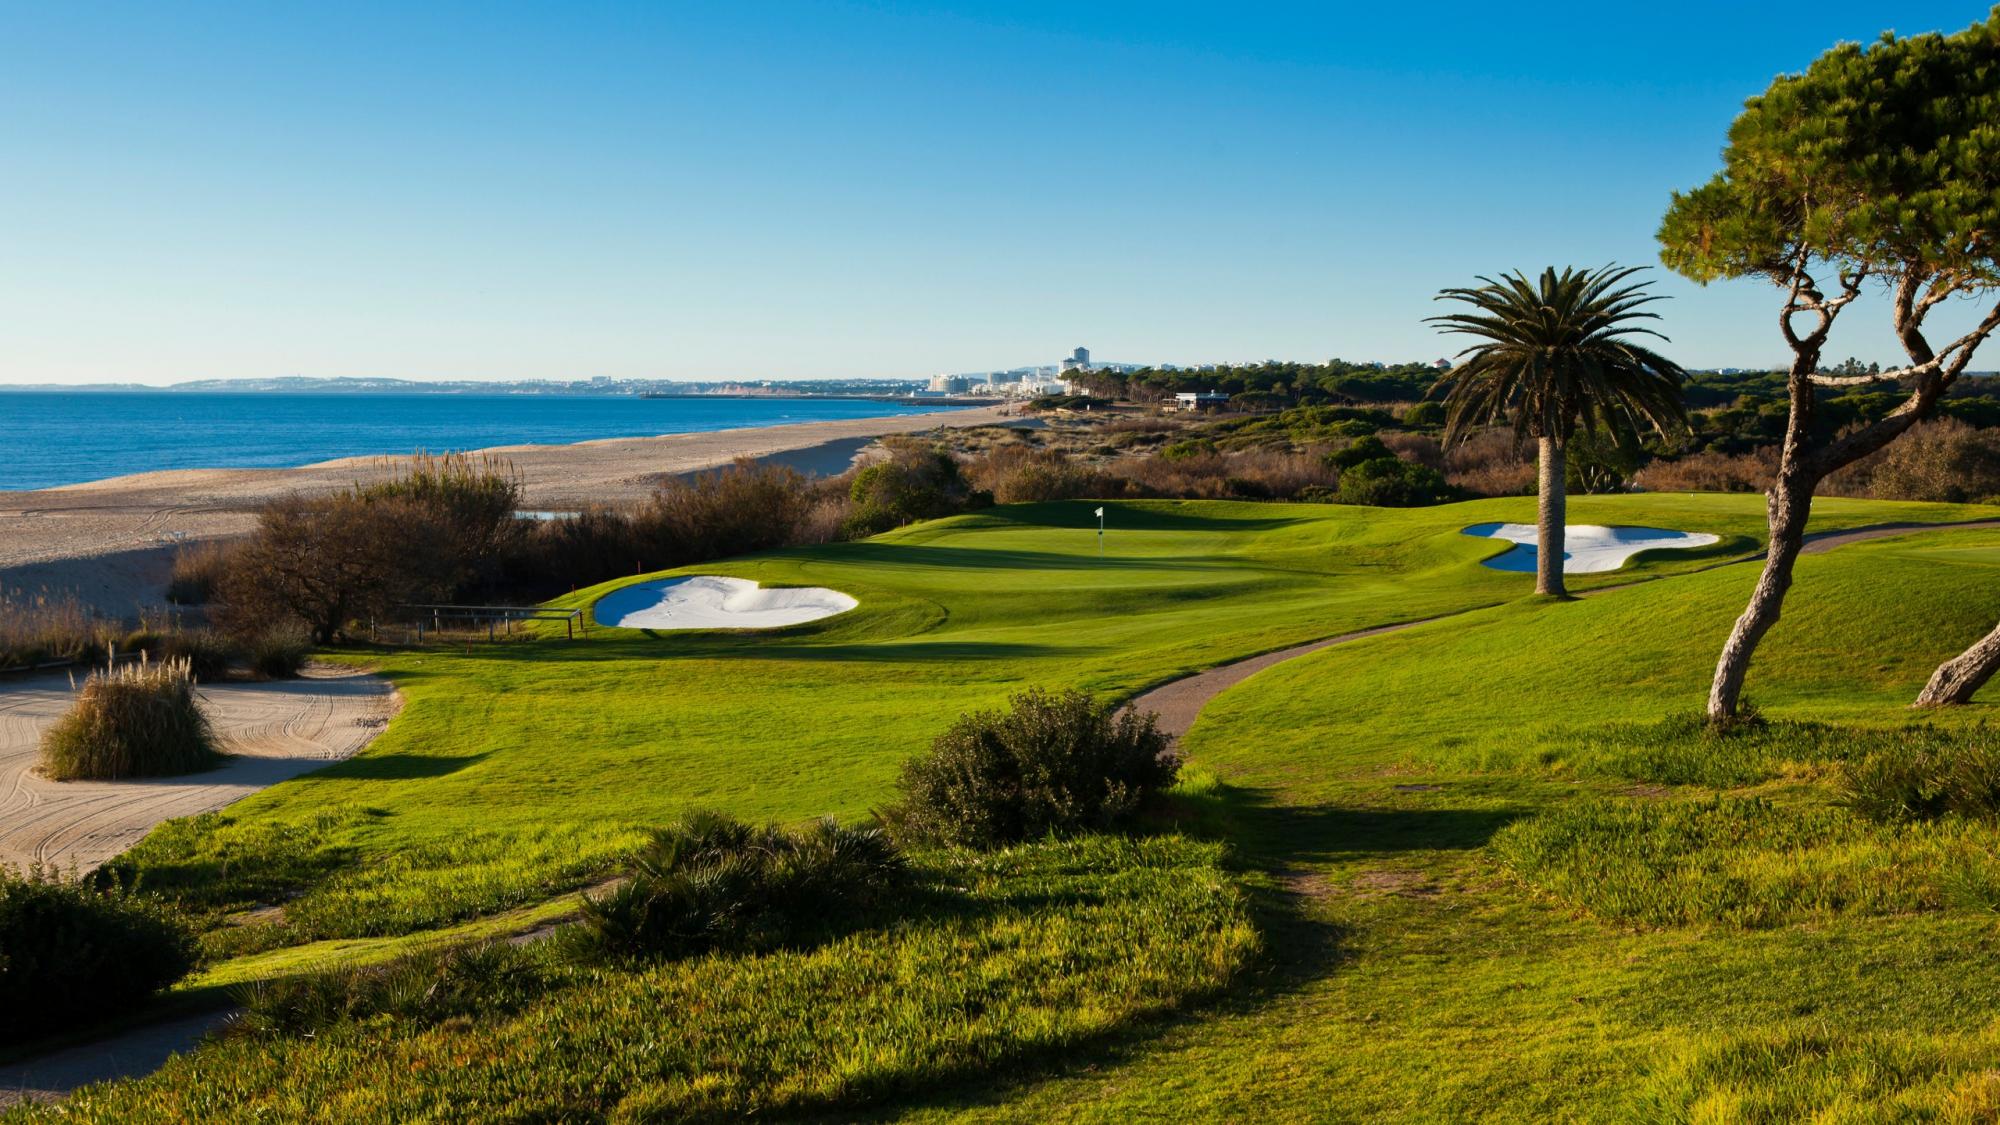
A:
x: 1413, y: 966
x: 517, y: 770
x: 1390, y: 789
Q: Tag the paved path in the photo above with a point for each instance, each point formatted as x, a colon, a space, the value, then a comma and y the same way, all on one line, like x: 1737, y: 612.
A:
x: 275, y: 730
x: 1180, y: 702
x: 140, y: 1051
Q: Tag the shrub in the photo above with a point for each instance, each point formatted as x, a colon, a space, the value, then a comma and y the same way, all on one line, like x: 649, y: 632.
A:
x: 197, y: 573
x: 918, y: 481
x: 1390, y: 482
x: 208, y: 653
x: 139, y: 720
x: 1014, y: 474
x: 1188, y: 447
x: 71, y: 953
x: 746, y: 507
x: 43, y: 628
x: 468, y: 505
x: 325, y: 562
x: 1360, y: 451
x: 1490, y: 463
x: 1424, y: 414
x: 1927, y: 774
x: 421, y: 989
x: 278, y: 653
x: 1053, y: 762
x: 1945, y: 461
x: 1711, y: 472
x: 710, y: 882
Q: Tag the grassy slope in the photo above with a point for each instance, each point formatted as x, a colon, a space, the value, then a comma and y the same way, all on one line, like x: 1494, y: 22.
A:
x: 1372, y: 777
x: 517, y: 770
x: 513, y: 771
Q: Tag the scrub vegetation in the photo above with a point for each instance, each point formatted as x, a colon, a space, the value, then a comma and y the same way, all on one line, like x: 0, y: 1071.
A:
x: 1382, y: 868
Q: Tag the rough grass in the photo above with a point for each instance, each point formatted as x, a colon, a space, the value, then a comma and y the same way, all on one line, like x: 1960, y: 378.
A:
x: 1410, y: 975
x: 131, y: 720
x: 1027, y: 953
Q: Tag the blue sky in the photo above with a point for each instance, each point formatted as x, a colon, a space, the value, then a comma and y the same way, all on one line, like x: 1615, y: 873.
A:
x: 791, y: 191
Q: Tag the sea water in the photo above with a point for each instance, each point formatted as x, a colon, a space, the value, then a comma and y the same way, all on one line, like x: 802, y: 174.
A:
x: 53, y: 438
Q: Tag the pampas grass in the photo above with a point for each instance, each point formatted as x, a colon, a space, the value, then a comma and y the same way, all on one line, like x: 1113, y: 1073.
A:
x: 140, y: 720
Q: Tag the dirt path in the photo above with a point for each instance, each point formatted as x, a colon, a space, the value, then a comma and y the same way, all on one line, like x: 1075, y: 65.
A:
x: 1180, y: 702
x: 275, y: 731
x: 141, y: 1051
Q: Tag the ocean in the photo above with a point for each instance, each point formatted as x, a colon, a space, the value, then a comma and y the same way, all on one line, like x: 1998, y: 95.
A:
x: 54, y: 438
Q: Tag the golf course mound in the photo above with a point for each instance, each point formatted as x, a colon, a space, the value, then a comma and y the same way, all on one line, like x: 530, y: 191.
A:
x: 1587, y: 548
x: 707, y: 601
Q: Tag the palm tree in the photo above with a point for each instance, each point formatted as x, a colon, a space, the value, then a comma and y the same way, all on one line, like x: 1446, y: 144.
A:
x: 1557, y: 355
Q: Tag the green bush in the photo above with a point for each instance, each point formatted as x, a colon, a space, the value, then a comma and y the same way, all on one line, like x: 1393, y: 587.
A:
x: 1053, y: 763
x: 918, y: 482
x: 1423, y: 415
x: 1390, y: 482
x: 1188, y: 447
x: 1925, y: 775
x: 710, y: 882
x: 280, y: 652
x: 139, y: 720
x: 71, y: 953
x: 422, y: 989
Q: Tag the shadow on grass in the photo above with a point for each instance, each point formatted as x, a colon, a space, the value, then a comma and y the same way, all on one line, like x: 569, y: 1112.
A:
x: 395, y: 767
x: 1298, y: 948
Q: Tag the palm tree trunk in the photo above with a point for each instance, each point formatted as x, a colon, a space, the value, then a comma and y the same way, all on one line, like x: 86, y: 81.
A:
x: 1957, y: 679
x: 1789, y: 505
x: 1549, y: 521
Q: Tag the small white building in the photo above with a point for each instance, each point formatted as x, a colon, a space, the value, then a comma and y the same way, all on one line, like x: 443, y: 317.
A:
x: 1188, y: 401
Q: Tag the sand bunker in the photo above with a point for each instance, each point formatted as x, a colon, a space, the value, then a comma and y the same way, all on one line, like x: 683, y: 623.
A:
x: 275, y: 731
x: 709, y: 602
x: 1587, y: 548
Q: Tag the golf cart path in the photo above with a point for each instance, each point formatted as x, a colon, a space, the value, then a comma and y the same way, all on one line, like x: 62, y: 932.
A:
x: 1179, y: 702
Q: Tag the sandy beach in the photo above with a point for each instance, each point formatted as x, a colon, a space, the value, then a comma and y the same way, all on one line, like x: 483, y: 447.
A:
x: 111, y: 542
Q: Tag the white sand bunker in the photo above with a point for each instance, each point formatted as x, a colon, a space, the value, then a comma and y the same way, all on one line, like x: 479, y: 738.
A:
x: 1587, y: 548
x: 709, y: 602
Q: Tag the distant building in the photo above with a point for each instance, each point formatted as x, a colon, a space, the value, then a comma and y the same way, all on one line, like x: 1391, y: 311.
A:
x: 1442, y: 365
x: 1079, y: 360
x: 950, y: 384
x: 1190, y: 401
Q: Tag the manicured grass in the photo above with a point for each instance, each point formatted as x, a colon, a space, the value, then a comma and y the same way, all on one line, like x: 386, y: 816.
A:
x: 1523, y: 933
x: 515, y: 771
x: 1413, y: 971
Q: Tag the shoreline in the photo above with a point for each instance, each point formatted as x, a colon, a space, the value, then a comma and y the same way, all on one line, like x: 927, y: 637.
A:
x: 110, y: 542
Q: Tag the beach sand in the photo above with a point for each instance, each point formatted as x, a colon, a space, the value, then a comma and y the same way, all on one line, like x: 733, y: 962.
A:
x: 111, y: 542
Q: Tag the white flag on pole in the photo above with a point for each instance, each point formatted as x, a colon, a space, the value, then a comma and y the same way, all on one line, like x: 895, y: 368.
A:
x: 1100, y: 513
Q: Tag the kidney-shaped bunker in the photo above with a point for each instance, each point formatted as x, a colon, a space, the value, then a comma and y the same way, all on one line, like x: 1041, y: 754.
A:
x: 711, y: 602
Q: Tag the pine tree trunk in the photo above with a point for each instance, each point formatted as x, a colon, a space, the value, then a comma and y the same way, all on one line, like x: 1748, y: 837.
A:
x: 1790, y: 505
x: 1958, y: 679
x: 1549, y: 522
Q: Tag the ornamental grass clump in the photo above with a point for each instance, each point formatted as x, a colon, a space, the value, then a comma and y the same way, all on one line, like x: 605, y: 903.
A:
x: 713, y: 883
x: 140, y: 720
x: 1053, y: 763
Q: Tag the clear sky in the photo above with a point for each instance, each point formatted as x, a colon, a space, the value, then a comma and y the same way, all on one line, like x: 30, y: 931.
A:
x: 734, y: 190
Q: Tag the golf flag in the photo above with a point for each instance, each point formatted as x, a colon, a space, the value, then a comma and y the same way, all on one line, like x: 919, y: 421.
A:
x: 1100, y: 513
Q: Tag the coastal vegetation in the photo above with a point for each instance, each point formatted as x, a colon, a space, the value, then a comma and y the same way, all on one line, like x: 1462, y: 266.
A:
x: 73, y: 951
x: 1874, y: 164
x: 138, y: 719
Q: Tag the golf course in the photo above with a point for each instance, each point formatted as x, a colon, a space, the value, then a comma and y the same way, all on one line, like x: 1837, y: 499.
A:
x: 1488, y: 866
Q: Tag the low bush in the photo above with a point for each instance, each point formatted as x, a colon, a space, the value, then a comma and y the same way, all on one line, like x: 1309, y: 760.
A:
x: 71, y: 952
x: 197, y: 572
x: 1052, y: 763
x: 279, y: 653
x: 1944, y: 461
x: 1925, y: 775
x: 917, y: 481
x: 45, y: 628
x: 1711, y: 471
x: 1490, y: 463
x: 1391, y: 482
x: 209, y: 654
x: 422, y: 989
x: 137, y: 720
x: 710, y: 882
